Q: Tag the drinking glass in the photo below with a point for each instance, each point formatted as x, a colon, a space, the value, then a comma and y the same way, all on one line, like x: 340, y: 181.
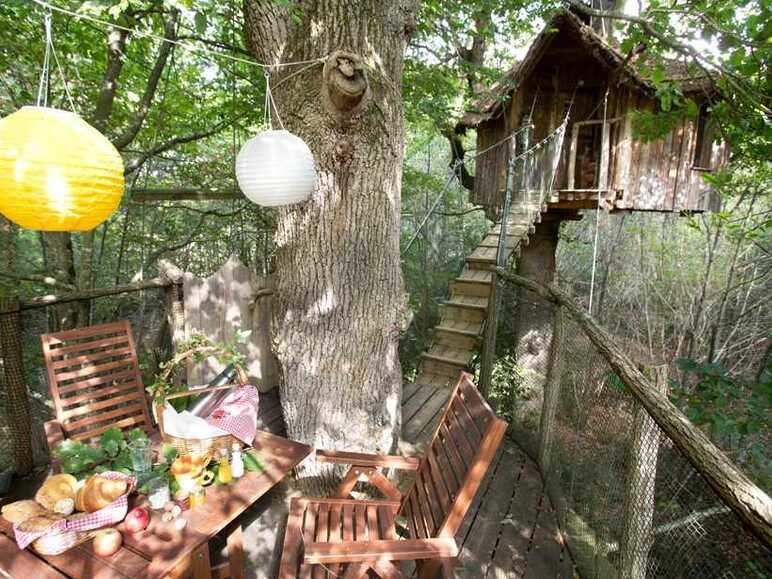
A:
x: 141, y: 455
x: 158, y: 492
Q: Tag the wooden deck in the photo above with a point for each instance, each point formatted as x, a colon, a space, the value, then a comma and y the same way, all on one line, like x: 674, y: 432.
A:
x: 510, y: 531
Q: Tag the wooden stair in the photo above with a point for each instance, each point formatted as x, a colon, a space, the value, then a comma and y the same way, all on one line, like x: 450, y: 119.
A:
x: 458, y: 337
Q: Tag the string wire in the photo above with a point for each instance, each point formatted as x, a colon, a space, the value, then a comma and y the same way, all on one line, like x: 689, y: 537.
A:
x: 597, y: 210
x: 44, y: 73
x: 183, y: 45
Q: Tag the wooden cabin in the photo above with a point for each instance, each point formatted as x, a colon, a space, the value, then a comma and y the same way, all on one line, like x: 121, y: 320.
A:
x: 571, y: 63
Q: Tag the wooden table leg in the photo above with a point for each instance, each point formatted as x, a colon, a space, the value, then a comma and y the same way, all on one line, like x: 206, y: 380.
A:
x: 201, y: 565
x: 236, y: 558
x: 196, y: 565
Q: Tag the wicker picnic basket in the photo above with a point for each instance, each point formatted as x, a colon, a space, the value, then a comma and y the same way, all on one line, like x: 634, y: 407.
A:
x: 211, y: 445
x: 77, y: 528
x: 58, y: 541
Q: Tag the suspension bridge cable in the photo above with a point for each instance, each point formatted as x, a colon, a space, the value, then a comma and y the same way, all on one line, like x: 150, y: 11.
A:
x: 440, y: 197
x: 597, y: 209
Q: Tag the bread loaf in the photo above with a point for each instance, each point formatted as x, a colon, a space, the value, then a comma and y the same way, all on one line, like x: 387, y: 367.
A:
x: 20, y: 511
x: 39, y: 523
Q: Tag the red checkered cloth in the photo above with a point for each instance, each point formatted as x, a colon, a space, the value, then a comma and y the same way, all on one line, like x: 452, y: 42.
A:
x: 237, y: 414
x: 113, y: 513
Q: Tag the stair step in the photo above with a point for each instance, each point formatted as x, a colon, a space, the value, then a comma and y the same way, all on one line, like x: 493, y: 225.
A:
x: 493, y: 241
x: 467, y: 301
x: 427, y: 379
x: 438, y: 367
x: 457, y: 362
x: 470, y: 288
x: 460, y: 313
x: 478, y: 275
x: 481, y: 264
x: 461, y: 331
x: 455, y: 339
x: 496, y: 230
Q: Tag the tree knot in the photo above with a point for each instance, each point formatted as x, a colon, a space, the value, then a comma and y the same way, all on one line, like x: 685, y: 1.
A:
x: 346, y: 90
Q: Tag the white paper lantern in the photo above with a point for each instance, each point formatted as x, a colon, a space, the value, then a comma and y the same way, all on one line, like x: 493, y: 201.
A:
x: 275, y: 168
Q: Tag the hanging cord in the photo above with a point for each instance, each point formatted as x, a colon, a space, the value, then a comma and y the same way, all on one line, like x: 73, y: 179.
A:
x: 43, y: 85
x: 182, y: 45
x: 45, y: 74
x: 270, y: 103
x: 597, y: 211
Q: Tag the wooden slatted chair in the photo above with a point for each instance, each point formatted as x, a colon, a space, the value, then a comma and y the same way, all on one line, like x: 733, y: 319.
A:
x: 352, y: 538
x: 95, y: 382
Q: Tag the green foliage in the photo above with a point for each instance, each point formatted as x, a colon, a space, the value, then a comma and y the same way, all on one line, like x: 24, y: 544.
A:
x: 110, y: 453
x: 735, y: 412
x: 507, y: 380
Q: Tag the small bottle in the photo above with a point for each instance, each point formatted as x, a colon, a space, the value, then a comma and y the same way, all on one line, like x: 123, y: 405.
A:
x: 224, y: 468
x: 197, y: 496
x: 237, y: 463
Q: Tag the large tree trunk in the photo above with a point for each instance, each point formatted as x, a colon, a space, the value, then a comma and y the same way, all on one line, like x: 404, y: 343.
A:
x: 61, y: 262
x: 533, y: 318
x: 340, y: 302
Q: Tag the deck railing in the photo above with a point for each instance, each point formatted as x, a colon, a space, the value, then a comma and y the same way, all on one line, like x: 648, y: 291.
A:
x: 638, y: 489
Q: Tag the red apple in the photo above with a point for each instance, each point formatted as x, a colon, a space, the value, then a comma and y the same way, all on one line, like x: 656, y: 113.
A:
x: 137, y: 520
x: 107, y: 542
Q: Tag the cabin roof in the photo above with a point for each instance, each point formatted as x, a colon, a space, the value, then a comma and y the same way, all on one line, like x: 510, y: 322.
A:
x: 490, y: 105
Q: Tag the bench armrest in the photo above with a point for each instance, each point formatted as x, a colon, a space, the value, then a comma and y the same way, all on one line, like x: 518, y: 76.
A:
x: 371, y: 460
x: 54, y: 434
x: 385, y: 549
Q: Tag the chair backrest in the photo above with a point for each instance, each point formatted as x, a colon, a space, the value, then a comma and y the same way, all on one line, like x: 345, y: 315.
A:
x: 95, y: 380
x: 455, y: 462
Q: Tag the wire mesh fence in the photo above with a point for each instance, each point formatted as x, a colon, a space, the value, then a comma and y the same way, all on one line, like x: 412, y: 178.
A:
x: 629, y: 502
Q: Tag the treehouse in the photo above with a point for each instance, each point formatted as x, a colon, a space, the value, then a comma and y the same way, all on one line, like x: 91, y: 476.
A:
x: 570, y: 69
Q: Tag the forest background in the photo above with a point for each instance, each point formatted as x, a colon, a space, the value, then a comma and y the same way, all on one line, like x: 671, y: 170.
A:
x: 690, y: 291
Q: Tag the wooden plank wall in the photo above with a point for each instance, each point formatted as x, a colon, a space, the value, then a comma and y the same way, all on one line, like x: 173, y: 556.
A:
x: 653, y: 176
x: 218, y: 307
x: 659, y: 175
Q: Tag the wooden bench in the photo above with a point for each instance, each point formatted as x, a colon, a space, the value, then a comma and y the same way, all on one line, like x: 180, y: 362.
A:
x: 95, y: 382
x: 351, y: 538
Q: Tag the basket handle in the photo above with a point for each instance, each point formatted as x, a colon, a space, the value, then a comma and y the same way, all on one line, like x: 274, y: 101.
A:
x: 241, y: 376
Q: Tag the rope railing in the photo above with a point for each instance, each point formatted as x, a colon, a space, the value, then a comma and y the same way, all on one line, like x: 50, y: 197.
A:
x: 639, y: 490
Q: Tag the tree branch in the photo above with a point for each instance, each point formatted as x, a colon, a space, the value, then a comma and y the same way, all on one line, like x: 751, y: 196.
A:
x: 457, y: 154
x: 39, y: 278
x: 698, y: 57
x: 216, y: 44
x: 116, y: 45
x: 171, y: 143
x: 146, y: 101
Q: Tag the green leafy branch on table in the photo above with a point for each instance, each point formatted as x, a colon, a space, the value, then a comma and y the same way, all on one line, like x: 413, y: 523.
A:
x: 110, y: 453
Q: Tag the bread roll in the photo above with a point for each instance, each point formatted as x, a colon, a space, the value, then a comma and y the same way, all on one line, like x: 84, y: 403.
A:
x: 56, y: 488
x: 20, y: 511
x: 98, y: 492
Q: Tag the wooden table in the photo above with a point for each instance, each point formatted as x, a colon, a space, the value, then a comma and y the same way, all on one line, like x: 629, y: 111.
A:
x: 161, y: 550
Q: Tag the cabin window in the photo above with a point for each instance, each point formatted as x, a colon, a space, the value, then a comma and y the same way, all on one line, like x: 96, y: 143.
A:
x: 703, y: 148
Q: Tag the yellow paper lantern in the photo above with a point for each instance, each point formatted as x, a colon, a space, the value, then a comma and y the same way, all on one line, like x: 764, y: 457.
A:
x: 57, y: 172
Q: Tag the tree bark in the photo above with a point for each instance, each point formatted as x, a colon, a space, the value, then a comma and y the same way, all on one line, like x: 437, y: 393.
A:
x: 61, y: 261
x: 340, y: 302
x: 533, y: 318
